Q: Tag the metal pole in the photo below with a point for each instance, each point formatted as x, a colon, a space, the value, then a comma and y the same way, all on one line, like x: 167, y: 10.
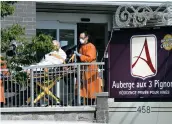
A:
x: 32, y: 88
x: 106, y: 75
x: 79, y: 83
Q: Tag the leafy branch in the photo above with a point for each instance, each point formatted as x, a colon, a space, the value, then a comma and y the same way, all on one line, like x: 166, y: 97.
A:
x: 26, y: 52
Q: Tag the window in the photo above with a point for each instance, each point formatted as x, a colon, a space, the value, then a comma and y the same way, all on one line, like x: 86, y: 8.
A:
x: 67, y: 35
x: 51, y: 32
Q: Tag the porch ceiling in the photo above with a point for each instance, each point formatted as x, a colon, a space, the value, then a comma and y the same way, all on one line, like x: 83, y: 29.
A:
x: 75, y: 8
x: 57, y: 7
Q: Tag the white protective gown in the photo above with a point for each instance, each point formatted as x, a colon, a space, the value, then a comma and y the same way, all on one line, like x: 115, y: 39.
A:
x: 51, y: 60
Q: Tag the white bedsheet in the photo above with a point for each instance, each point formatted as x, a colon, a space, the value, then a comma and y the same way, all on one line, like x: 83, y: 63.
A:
x: 51, y: 60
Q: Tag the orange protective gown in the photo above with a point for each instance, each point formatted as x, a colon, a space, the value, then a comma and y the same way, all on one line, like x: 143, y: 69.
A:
x: 90, y: 83
x: 3, y: 66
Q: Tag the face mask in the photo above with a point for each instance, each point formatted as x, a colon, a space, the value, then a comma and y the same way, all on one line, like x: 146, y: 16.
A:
x: 81, y: 41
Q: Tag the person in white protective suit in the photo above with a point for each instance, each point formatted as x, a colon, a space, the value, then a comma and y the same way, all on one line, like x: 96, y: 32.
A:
x: 57, y: 56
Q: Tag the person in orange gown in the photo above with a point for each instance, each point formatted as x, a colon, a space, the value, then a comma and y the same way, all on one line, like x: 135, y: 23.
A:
x: 2, y: 96
x: 90, y: 82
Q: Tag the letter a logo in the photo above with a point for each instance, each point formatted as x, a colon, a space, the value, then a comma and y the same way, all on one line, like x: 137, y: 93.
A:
x: 143, y: 56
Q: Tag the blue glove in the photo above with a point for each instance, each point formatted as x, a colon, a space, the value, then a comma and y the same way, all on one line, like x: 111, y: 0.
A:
x: 76, y: 53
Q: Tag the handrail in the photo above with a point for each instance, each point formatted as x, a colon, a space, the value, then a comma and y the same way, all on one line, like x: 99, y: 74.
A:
x: 59, y: 65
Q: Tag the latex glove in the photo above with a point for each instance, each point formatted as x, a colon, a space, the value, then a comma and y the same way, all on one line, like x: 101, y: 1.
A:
x: 76, y: 53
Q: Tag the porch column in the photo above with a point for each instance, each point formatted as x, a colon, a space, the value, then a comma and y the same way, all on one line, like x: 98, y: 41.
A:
x: 102, y: 114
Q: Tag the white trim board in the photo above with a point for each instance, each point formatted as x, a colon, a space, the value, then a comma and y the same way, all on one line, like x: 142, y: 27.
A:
x: 114, y: 2
x: 48, y: 109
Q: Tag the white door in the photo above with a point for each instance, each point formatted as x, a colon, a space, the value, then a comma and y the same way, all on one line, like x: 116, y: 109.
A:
x: 67, y: 32
x: 60, y: 32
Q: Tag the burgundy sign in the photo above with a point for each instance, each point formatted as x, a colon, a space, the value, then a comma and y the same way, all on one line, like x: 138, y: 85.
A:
x: 140, y: 63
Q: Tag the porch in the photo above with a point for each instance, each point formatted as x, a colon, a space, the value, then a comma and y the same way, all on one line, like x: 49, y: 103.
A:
x: 37, y: 98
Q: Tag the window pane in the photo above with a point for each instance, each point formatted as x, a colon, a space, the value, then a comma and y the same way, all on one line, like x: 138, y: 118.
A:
x: 67, y: 35
x: 51, y: 32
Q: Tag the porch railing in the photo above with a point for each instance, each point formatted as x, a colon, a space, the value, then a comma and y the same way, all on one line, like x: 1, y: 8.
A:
x: 58, y: 85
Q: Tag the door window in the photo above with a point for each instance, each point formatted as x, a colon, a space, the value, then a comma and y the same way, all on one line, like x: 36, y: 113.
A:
x: 58, y: 30
x: 67, y: 35
x: 51, y: 32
